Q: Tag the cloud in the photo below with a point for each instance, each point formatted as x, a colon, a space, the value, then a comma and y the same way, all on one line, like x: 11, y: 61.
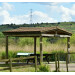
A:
x: 48, y: 3
x: 4, y: 14
x: 68, y: 14
x: 38, y: 17
x: 6, y: 18
x: 65, y: 13
x: 7, y: 6
x: 42, y: 17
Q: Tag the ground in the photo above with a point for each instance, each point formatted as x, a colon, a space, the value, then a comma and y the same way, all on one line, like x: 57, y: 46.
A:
x: 23, y: 67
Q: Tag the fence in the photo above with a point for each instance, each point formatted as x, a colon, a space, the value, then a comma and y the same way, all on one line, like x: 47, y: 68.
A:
x: 68, y: 60
x: 21, y: 58
x: 56, y: 59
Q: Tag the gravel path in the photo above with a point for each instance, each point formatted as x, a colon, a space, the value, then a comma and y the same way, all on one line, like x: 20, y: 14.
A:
x: 71, y: 67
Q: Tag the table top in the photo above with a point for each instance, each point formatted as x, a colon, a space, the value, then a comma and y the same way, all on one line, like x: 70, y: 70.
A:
x: 24, y: 53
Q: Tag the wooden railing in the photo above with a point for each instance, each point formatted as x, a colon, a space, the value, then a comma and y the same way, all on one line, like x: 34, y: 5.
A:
x: 21, y: 58
x: 57, y: 63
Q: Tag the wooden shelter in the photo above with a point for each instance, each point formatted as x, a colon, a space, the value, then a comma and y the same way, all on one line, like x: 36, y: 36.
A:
x: 38, y: 32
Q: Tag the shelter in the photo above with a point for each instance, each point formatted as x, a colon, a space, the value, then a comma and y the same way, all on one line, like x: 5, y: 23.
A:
x: 38, y: 32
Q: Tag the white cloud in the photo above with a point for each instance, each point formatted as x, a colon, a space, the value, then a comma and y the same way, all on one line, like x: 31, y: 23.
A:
x: 48, y: 3
x: 38, y: 17
x: 7, y: 6
x: 65, y: 13
x: 6, y: 18
x: 42, y: 17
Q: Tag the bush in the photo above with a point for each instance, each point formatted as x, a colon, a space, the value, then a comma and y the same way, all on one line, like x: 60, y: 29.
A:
x: 25, y: 41
x: 10, y: 55
x: 62, y: 56
x: 44, y: 68
x: 72, y: 57
x: 72, y: 39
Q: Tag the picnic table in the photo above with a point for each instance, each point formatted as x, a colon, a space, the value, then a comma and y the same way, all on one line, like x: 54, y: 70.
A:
x: 45, y: 57
x: 24, y: 54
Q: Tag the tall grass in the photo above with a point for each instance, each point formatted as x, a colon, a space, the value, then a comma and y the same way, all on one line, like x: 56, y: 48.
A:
x: 25, y: 44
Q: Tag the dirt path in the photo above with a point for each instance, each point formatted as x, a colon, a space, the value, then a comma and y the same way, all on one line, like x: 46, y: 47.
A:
x: 71, y: 67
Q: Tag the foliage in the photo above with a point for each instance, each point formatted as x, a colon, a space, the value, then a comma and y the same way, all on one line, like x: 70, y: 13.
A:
x: 70, y: 26
x: 72, y: 39
x: 11, y: 54
x: 25, y: 41
x: 72, y: 57
x: 62, y: 56
x: 44, y: 68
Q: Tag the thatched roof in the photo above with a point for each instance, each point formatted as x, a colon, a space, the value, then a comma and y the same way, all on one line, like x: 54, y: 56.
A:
x: 37, y: 30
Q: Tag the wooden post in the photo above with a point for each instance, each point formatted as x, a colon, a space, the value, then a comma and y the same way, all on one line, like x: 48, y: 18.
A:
x: 68, y: 48
x: 67, y: 62
x: 56, y: 61
x: 35, y: 63
x: 10, y: 65
x: 6, y: 48
x: 34, y: 45
x: 41, y: 52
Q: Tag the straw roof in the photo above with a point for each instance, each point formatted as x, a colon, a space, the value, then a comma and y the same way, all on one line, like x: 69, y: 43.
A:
x: 37, y: 30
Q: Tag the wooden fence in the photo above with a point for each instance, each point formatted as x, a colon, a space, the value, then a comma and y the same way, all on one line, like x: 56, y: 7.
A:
x: 21, y: 58
x: 57, y: 63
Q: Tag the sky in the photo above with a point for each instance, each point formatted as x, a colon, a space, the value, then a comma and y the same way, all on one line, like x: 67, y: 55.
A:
x: 51, y: 12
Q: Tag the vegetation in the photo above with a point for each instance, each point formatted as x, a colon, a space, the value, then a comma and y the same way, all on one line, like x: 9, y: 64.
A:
x: 44, y: 68
x: 50, y: 45
x: 70, y: 26
x: 17, y: 68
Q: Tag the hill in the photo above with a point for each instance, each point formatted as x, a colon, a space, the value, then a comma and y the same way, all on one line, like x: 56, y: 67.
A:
x: 70, y: 26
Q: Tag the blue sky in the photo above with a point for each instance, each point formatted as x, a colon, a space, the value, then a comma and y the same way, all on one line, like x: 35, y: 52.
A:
x: 19, y: 12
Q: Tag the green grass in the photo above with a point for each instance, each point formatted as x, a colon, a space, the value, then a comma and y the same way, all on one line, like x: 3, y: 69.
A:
x: 17, y: 68
x: 44, y: 68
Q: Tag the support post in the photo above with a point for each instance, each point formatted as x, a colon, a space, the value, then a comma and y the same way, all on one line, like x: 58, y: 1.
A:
x: 67, y: 62
x: 56, y: 62
x: 68, y: 48
x: 10, y: 65
x: 35, y: 45
x: 41, y: 52
x: 35, y: 63
x: 6, y: 48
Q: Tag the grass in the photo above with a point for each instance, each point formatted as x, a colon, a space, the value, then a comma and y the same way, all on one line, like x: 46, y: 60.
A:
x: 44, y: 68
x: 18, y: 68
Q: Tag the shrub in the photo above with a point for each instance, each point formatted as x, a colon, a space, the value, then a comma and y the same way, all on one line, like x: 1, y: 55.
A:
x: 25, y: 41
x: 44, y: 68
x: 72, y: 57
x: 62, y: 56
x: 10, y: 55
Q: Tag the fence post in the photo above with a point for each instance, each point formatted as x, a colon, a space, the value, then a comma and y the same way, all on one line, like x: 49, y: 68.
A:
x: 10, y: 65
x: 56, y: 61
x: 35, y: 63
x: 67, y: 61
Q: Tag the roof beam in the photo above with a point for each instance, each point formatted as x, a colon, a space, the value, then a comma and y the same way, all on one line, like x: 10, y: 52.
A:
x: 53, y: 35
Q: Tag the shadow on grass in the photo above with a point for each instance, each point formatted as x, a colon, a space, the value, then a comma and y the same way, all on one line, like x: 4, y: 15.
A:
x: 4, y: 67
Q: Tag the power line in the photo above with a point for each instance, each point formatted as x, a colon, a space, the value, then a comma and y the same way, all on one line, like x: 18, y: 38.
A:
x: 30, y: 16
